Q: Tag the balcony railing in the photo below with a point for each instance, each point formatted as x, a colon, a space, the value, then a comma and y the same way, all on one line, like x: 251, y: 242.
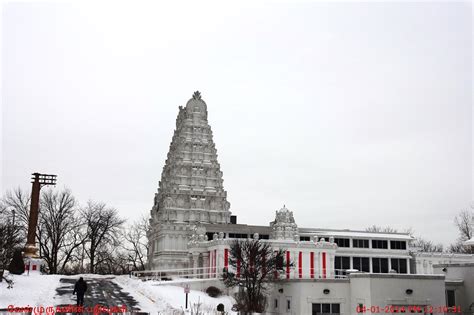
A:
x: 216, y: 273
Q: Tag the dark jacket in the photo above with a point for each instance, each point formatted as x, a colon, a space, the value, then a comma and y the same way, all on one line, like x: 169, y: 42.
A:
x: 80, y: 287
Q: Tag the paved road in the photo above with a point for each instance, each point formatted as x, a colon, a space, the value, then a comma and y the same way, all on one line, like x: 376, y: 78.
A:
x: 101, y: 291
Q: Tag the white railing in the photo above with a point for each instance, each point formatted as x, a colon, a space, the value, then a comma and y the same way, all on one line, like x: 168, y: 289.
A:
x: 215, y: 273
x: 174, y: 274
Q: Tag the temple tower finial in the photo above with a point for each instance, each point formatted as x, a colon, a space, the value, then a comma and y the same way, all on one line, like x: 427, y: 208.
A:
x: 197, y: 95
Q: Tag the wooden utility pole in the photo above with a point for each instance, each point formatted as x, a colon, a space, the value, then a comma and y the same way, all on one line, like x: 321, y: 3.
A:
x: 39, y: 180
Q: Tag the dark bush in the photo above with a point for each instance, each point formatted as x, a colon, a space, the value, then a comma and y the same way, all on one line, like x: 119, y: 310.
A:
x: 17, y: 266
x: 213, y: 291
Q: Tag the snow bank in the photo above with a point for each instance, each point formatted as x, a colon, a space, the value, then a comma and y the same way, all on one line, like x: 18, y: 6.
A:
x: 29, y: 291
x: 164, y: 298
x: 40, y: 290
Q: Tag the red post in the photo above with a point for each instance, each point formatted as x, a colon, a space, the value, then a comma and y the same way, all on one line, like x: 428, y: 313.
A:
x: 226, y: 258
x: 33, y: 219
x: 324, y: 265
x: 38, y: 180
x: 287, y: 265
x: 311, y: 262
x: 300, y: 265
x: 238, y: 268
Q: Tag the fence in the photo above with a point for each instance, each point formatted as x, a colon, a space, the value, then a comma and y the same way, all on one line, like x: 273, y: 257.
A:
x: 209, y: 273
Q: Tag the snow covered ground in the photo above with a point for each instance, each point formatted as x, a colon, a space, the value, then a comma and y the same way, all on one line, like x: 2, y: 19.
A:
x: 40, y: 290
x: 153, y: 297
x: 29, y: 291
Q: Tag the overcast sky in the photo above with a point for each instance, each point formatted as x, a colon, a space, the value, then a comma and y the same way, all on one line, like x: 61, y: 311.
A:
x: 351, y: 114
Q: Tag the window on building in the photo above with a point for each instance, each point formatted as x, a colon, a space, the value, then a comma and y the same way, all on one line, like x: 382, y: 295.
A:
x: 342, y: 242
x: 263, y: 236
x: 450, y: 298
x: 399, y: 265
x: 276, y: 304
x: 398, y: 245
x: 305, y: 238
x: 279, y: 262
x: 210, y: 235
x: 380, y: 244
x: 237, y: 235
x: 325, y: 308
x: 358, y: 243
x: 361, y: 263
x: 380, y: 265
x: 341, y: 264
x: 288, y: 305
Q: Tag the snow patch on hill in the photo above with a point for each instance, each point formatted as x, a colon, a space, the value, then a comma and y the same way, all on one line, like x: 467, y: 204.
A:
x: 29, y: 290
x: 153, y: 297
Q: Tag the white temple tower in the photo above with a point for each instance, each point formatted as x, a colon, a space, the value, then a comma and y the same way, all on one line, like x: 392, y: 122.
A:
x: 190, y: 191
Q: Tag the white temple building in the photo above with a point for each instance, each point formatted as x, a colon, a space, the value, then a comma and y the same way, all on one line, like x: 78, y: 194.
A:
x: 334, y: 272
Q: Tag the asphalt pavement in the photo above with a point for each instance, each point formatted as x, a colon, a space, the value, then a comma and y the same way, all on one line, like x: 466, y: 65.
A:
x: 100, y: 292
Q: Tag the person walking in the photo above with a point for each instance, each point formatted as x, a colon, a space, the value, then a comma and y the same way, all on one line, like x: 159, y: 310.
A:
x: 80, y: 288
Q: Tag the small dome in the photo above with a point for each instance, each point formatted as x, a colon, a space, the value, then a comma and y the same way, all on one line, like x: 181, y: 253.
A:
x: 196, y: 104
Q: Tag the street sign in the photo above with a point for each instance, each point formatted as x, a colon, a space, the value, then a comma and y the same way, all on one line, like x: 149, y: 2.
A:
x: 186, y: 290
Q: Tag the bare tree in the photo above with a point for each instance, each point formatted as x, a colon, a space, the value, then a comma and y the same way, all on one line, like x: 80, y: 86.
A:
x: 103, y: 225
x: 10, y: 238
x: 136, y: 243
x: 376, y: 228
x: 58, y: 228
x: 73, y: 243
x: 427, y: 246
x: 463, y: 223
x: 14, y: 209
x: 18, y: 200
x: 257, y: 264
x: 388, y: 229
x: 111, y: 259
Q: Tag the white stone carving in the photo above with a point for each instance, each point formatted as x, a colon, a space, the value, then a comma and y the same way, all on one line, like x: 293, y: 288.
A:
x: 284, y: 226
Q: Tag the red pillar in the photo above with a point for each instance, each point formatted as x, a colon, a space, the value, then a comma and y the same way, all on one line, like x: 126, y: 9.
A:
x: 238, y: 268
x: 311, y: 263
x: 226, y: 259
x: 324, y: 265
x: 287, y: 265
x: 300, y: 265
